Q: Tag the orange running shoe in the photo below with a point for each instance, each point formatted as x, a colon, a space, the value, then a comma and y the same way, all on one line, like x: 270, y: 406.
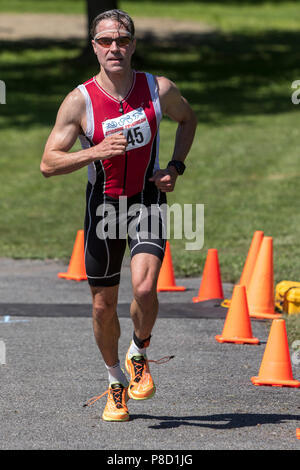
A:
x: 141, y: 386
x: 115, y: 408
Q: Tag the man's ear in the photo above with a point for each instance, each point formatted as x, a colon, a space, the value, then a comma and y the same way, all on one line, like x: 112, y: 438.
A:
x: 133, y: 46
x: 94, y: 46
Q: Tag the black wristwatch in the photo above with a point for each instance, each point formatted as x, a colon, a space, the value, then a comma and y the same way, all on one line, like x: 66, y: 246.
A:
x: 180, y: 166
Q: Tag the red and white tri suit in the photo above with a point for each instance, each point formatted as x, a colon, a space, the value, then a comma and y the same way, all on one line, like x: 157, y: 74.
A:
x: 138, y: 116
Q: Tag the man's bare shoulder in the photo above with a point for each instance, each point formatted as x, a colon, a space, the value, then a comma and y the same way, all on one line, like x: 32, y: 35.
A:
x: 73, y: 105
x: 166, y: 86
x: 168, y: 92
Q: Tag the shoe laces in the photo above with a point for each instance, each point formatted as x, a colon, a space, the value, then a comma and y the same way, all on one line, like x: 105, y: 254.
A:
x: 116, y: 393
x: 139, y: 364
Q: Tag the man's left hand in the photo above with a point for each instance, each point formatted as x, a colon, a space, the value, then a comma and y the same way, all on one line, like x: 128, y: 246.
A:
x: 165, y: 179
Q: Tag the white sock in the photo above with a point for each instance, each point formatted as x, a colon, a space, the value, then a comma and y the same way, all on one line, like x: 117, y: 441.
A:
x: 116, y: 374
x: 134, y: 350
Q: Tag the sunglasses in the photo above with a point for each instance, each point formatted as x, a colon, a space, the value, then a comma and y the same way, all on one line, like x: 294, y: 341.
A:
x: 121, y: 41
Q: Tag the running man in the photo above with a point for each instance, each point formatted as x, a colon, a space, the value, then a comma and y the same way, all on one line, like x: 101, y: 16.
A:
x: 116, y: 116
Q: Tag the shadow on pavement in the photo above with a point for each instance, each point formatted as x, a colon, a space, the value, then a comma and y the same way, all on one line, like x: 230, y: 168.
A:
x: 217, y: 421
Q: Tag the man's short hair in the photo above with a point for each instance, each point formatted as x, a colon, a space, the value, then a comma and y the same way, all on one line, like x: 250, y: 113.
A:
x: 118, y: 15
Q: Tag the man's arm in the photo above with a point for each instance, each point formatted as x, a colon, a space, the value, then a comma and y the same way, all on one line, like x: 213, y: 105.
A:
x: 178, y: 109
x: 57, y: 160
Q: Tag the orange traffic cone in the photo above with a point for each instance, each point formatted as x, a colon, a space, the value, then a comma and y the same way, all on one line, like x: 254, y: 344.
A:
x: 76, y: 270
x: 251, y: 258
x: 249, y: 263
x: 211, y: 285
x: 237, y: 326
x: 276, y: 368
x: 166, y: 278
x: 260, y: 292
x: 298, y: 433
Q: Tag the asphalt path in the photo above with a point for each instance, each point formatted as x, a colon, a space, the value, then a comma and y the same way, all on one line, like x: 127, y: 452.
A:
x: 205, y: 399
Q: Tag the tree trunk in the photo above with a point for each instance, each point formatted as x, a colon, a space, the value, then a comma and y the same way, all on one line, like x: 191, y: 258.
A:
x: 94, y: 7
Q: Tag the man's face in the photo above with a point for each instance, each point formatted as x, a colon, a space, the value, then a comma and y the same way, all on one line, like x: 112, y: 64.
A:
x: 117, y: 56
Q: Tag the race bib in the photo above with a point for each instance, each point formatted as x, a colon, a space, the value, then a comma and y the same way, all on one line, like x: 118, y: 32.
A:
x: 134, y: 125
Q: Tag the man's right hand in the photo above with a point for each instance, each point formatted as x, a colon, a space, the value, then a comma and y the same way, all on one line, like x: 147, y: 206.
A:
x: 110, y: 146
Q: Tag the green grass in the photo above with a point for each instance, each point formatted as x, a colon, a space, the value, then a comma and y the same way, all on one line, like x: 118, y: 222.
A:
x: 44, y: 6
x: 226, y: 15
x: 293, y: 328
x: 242, y: 166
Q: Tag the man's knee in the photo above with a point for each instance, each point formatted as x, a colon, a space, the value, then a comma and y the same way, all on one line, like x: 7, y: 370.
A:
x: 145, y: 291
x: 104, y: 307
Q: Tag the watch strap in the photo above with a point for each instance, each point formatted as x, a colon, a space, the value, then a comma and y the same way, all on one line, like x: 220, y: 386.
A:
x: 180, y: 166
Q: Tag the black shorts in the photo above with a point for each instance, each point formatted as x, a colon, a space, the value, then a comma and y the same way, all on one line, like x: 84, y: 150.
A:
x: 110, y: 223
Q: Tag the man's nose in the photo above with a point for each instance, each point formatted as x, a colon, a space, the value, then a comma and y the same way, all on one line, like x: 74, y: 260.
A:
x: 114, y: 46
